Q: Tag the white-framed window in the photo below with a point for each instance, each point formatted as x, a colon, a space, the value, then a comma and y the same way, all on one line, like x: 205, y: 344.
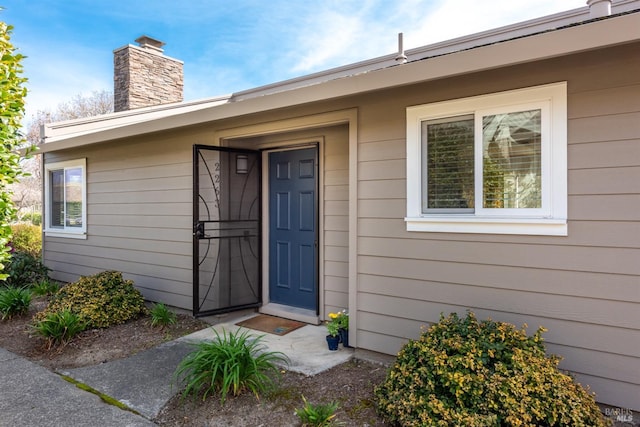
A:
x: 495, y: 163
x: 65, y: 198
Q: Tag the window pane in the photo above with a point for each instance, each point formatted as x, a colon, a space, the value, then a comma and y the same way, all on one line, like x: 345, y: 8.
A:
x: 447, y: 147
x: 57, y: 198
x: 511, y: 160
x: 73, y: 193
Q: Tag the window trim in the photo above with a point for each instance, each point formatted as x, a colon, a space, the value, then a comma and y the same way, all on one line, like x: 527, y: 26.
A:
x: 69, y: 232
x: 551, y: 219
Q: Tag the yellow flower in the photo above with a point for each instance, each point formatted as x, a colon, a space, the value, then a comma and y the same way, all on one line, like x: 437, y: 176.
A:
x: 333, y: 315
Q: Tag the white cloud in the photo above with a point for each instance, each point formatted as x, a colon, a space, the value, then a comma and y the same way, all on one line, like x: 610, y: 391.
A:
x: 240, y: 45
x: 463, y: 17
x: 345, y: 32
x: 333, y: 35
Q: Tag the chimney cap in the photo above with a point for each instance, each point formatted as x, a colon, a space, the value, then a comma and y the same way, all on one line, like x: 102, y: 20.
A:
x: 147, y: 42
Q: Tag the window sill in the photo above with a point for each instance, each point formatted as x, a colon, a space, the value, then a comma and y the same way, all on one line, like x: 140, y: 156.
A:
x: 66, y: 234
x: 485, y: 225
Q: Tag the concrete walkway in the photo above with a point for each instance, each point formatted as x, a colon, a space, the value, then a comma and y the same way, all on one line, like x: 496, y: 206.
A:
x: 31, y: 395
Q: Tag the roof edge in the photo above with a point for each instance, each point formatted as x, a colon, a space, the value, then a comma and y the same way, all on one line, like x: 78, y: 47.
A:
x: 591, y: 35
x: 56, y: 129
x: 519, y: 29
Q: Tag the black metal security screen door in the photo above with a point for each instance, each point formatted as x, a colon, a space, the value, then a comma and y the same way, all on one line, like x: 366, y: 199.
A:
x: 226, y: 230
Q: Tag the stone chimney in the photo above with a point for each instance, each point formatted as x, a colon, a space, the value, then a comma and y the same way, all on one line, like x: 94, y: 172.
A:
x: 143, y: 76
x: 599, y: 8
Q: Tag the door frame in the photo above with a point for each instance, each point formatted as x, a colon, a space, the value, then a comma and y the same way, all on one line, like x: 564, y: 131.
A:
x: 290, y: 312
x: 234, y: 135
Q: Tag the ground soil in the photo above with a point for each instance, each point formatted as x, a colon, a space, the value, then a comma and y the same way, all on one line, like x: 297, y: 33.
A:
x: 350, y: 384
x: 92, y: 346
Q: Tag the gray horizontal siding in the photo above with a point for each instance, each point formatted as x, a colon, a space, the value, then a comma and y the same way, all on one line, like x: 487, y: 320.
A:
x: 581, y: 233
x: 603, y: 286
x: 525, y: 302
x: 550, y: 257
x: 139, y: 218
x: 607, y: 154
x: 336, y: 220
x: 114, y: 263
x: 583, y: 287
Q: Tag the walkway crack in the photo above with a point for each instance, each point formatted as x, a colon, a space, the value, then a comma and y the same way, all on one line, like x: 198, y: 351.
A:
x: 105, y: 397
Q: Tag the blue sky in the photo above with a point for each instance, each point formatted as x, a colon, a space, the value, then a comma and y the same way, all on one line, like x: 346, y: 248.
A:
x: 229, y: 46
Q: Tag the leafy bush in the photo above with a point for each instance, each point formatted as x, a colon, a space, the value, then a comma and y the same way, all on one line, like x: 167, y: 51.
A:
x: 14, y: 301
x: 34, y: 218
x: 100, y: 301
x: 162, y: 316
x: 12, y: 99
x: 465, y: 372
x: 59, y: 327
x: 24, y: 269
x: 320, y: 415
x: 45, y: 287
x: 27, y: 238
x: 231, y: 363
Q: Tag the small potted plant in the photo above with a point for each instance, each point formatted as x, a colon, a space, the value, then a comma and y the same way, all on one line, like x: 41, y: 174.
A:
x: 343, y: 327
x: 333, y: 338
x: 339, y: 323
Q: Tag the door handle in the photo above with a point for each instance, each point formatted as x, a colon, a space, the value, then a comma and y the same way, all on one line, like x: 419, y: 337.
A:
x: 199, y: 230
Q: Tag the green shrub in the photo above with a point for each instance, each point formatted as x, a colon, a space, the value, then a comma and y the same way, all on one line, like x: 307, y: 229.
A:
x: 24, y: 269
x: 34, y: 218
x: 162, y: 316
x: 45, y: 287
x: 14, y: 301
x: 320, y: 415
x: 231, y: 363
x: 465, y: 372
x: 59, y: 327
x: 100, y: 301
x: 27, y: 238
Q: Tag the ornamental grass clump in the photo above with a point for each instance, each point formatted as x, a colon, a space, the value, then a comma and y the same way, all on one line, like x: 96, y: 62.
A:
x: 59, y: 327
x: 470, y: 373
x: 99, y: 301
x: 317, y: 415
x: 45, y: 287
x: 229, y: 364
x: 161, y: 316
x: 14, y: 301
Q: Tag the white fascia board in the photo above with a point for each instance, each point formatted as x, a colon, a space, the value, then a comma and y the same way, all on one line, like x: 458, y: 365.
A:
x: 597, y: 34
x: 64, y: 129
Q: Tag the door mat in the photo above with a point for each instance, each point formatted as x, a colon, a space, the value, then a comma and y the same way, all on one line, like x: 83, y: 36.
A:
x: 271, y: 324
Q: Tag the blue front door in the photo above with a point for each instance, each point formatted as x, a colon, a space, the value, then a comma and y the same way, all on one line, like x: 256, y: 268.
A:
x: 293, y: 277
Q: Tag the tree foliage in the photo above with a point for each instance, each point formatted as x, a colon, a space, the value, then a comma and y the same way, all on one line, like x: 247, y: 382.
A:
x: 12, y: 94
x: 78, y: 107
x: 27, y: 194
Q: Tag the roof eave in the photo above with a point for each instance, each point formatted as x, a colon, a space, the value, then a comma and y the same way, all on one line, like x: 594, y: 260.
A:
x: 588, y: 36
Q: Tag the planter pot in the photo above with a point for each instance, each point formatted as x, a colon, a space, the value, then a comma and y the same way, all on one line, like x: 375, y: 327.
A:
x: 344, y: 337
x: 332, y: 342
